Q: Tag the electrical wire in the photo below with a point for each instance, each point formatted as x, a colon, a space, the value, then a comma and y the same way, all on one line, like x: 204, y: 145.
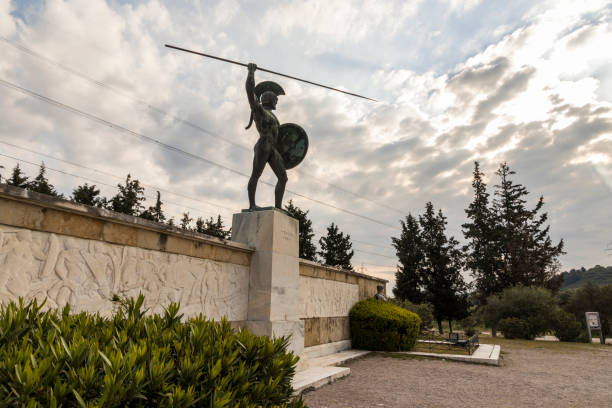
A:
x: 178, y: 119
x: 104, y: 173
x: 98, y: 182
x: 116, y: 176
x: 175, y: 149
x: 374, y: 253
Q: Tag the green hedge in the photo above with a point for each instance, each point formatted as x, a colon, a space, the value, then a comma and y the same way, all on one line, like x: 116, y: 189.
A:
x: 52, y: 359
x: 379, y: 325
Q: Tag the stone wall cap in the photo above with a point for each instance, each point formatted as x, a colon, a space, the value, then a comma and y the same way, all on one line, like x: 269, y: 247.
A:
x: 47, y: 201
x: 337, y: 269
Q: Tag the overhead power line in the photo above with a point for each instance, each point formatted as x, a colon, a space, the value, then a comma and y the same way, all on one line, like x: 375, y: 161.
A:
x: 98, y: 182
x: 72, y: 163
x: 374, y: 253
x: 116, y: 176
x: 176, y: 149
x: 178, y: 119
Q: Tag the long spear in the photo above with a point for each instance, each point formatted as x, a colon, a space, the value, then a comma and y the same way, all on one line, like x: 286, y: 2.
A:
x: 270, y: 71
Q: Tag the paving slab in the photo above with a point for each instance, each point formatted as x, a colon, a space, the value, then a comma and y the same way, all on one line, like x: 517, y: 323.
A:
x: 315, y: 372
x: 487, y: 354
x: 315, y: 377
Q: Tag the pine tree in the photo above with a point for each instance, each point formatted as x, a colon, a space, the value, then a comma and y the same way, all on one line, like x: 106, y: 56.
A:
x: 527, y: 255
x: 155, y: 213
x: 481, y: 249
x: 129, y: 198
x: 336, y: 248
x: 18, y: 178
x: 88, y: 195
x: 444, y: 286
x: 308, y: 249
x: 185, y: 221
x: 213, y: 228
x: 408, y: 281
x: 41, y: 185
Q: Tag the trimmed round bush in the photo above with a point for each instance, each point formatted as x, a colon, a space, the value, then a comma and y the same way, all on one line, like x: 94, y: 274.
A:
x: 566, y: 327
x: 515, y: 328
x: 382, y: 326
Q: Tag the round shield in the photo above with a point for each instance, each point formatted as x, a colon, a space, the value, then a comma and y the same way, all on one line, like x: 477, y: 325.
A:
x: 292, y: 144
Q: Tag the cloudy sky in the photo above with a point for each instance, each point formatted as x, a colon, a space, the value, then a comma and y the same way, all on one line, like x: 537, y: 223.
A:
x: 525, y: 82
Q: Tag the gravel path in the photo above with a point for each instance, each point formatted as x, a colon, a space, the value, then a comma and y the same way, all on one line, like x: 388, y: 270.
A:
x: 527, y: 378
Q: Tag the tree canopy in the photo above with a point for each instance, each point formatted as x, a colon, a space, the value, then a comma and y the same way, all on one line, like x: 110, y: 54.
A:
x: 336, y: 248
x: 308, y: 249
x: 441, y: 268
x: 212, y: 227
x: 88, y: 195
x: 408, y: 248
x: 508, y: 244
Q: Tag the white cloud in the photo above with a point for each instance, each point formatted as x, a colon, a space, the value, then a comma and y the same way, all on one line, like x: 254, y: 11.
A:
x: 539, y: 97
x: 461, y: 6
x: 7, y: 25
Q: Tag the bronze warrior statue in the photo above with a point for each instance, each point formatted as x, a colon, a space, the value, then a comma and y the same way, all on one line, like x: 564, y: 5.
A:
x: 266, y: 149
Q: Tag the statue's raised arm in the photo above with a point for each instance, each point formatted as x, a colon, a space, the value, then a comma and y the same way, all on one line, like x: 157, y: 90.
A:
x: 250, y: 87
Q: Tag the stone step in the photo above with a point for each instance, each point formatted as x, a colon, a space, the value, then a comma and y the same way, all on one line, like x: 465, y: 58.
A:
x: 315, y: 377
x: 336, y: 359
x: 325, y: 349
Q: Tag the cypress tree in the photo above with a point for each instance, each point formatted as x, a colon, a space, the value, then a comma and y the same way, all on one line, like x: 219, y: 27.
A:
x: 336, y: 248
x: 444, y: 286
x: 408, y: 281
x: 185, y: 221
x: 527, y: 255
x: 88, y: 195
x: 155, y: 212
x: 308, y: 249
x: 18, y: 178
x: 129, y: 198
x: 41, y: 184
x: 480, y: 233
x: 213, y: 228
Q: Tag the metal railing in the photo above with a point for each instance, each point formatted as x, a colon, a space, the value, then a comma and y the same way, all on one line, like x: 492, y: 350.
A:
x: 433, y: 342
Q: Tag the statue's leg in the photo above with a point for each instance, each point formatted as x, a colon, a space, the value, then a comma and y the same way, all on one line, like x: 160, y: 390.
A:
x: 259, y: 163
x: 278, y: 167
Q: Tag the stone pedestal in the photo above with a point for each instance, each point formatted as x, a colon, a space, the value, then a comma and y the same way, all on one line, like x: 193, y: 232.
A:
x: 274, y: 273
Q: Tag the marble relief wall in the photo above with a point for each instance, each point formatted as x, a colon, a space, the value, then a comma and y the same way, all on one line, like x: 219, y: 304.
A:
x: 326, y: 298
x: 87, y: 273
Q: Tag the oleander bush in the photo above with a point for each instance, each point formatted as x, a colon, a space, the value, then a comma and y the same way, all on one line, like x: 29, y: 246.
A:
x: 379, y: 325
x: 469, y: 325
x: 423, y: 310
x: 515, y: 328
x: 535, y: 307
x: 53, y: 359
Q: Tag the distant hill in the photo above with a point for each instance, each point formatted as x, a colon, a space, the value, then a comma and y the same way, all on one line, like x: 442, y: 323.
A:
x: 598, y: 275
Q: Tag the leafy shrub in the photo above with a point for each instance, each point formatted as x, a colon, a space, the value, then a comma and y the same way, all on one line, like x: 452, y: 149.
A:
x: 468, y: 324
x: 566, y: 327
x: 515, y: 328
x: 533, y: 305
x: 132, y: 360
x: 379, y: 325
x: 592, y: 298
x: 423, y: 310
